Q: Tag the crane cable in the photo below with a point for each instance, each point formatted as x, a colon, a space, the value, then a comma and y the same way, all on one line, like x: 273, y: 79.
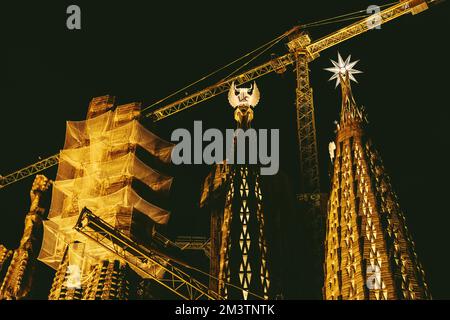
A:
x: 341, y: 20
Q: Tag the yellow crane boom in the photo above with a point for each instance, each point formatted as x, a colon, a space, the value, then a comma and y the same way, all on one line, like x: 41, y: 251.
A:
x: 357, y: 28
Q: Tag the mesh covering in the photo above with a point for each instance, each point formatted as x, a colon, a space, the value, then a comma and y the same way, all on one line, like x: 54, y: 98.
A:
x: 104, y: 129
x: 96, y: 170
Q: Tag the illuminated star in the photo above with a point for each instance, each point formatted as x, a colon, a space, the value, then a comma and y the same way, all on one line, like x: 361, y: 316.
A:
x: 342, y: 69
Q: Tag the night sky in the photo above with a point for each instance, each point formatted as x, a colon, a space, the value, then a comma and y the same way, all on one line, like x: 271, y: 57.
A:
x: 145, y: 50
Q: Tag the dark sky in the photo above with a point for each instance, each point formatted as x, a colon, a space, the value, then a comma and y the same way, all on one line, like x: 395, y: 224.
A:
x: 145, y: 50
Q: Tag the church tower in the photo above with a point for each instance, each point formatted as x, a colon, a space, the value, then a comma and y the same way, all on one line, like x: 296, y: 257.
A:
x: 17, y: 267
x: 369, y: 253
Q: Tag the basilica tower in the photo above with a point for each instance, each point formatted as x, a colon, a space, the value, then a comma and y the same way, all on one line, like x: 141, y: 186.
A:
x: 369, y: 253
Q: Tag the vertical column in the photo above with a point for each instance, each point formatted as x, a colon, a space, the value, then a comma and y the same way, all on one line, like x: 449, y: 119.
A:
x: 306, y: 128
x: 312, y: 202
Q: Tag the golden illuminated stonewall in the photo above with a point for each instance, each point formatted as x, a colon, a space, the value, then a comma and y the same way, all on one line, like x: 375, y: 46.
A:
x: 369, y: 253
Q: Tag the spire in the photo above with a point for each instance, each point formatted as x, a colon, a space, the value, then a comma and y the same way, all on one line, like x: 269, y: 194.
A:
x: 343, y: 72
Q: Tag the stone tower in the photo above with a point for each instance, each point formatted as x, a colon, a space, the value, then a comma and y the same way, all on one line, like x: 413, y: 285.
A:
x: 369, y: 253
x: 17, y: 266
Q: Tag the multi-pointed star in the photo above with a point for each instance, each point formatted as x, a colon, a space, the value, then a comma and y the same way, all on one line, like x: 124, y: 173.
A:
x: 343, y: 68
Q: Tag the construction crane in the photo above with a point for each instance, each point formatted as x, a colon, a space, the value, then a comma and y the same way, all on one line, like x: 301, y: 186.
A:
x: 194, y: 243
x: 301, y: 52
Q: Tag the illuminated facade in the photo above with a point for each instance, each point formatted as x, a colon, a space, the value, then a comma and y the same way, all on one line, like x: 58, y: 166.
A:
x: 17, y: 266
x: 369, y: 253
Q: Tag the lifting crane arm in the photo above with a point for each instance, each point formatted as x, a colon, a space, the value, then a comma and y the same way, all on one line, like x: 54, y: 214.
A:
x: 29, y: 171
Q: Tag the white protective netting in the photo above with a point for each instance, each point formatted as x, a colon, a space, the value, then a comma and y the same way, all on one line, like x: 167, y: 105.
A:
x: 96, y: 170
